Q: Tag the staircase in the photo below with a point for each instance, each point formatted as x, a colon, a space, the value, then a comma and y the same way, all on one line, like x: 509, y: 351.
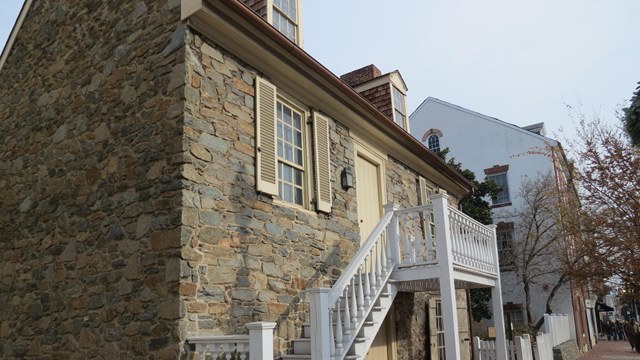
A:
x: 405, y: 252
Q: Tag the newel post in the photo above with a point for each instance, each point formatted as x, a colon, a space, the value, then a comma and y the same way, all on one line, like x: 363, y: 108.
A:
x: 393, y: 236
x: 496, y: 303
x: 444, y: 250
x: 320, y: 324
x: 261, y: 340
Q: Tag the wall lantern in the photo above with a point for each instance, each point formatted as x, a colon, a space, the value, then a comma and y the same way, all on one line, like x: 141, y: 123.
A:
x: 347, y: 178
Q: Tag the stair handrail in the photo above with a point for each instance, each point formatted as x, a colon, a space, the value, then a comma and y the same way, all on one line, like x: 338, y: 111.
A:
x: 350, y: 271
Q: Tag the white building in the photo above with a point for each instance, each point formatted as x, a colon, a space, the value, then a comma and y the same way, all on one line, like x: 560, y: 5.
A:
x: 508, y: 154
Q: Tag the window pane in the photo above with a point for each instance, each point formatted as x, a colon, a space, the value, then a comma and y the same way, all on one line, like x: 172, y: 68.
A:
x: 297, y: 122
x: 287, y: 116
x: 287, y: 173
x: 298, y: 196
x: 298, y: 178
x: 288, y: 134
x: 298, y: 159
x: 288, y: 192
x: 298, y: 139
x: 279, y: 148
x: 288, y: 152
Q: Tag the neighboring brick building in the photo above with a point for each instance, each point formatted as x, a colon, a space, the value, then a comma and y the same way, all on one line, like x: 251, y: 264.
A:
x: 142, y: 199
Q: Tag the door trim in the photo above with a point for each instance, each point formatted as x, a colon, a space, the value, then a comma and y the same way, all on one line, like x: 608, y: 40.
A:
x: 377, y: 158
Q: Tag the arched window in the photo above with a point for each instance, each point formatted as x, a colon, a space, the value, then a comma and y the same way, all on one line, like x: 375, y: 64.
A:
x: 433, y: 143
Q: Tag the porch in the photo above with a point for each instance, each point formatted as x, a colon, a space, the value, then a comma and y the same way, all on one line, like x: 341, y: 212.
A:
x: 429, y: 247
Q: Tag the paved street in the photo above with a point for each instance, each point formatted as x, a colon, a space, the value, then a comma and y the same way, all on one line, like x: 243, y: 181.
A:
x: 612, y: 350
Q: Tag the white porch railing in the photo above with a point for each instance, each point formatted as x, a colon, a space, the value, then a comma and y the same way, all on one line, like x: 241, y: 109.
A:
x: 471, y: 242
x: 559, y: 327
x: 435, y: 234
x: 353, y: 296
x: 258, y: 345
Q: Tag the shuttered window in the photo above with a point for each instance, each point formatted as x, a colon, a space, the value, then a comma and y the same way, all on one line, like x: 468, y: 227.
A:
x: 284, y: 155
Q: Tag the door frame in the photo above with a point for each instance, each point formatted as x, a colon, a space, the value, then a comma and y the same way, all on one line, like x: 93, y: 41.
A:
x: 376, y: 157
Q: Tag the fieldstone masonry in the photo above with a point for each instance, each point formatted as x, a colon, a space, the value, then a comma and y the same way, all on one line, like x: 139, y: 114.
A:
x: 128, y: 212
x: 90, y: 188
x: 249, y: 257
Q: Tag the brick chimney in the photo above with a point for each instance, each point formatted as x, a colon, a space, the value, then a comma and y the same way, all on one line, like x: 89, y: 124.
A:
x: 361, y: 75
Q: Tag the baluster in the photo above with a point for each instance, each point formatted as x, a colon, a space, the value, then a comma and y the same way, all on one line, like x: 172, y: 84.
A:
x: 332, y: 339
x: 473, y: 237
x: 347, y: 313
x: 387, y: 251
x: 215, y: 351
x: 408, y: 248
x: 418, y: 241
x: 367, y: 286
x: 360, y: 295
x: 372, y: 271
x: 378, y: 262
x: 339, y: 333
x: 354, y: 306
x: 228, y: 350
x: 383, y: 253
x: 243, y: 354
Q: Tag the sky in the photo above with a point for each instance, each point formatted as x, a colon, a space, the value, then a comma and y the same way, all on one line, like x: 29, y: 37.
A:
x: 519, y: 61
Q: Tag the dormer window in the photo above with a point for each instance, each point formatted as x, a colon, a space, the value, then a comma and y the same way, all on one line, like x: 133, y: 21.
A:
x: 399, y: 108
x: 285, y: 18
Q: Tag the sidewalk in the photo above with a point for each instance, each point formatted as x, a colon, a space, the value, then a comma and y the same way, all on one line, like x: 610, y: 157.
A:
x: 611, y: 350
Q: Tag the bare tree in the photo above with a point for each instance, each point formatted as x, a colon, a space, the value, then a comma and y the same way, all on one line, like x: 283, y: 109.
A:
x: 538, y: 249
x: 608, y: 171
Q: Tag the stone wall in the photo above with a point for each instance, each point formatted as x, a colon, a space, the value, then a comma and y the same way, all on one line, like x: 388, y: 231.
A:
x: 91, y: 106
x: 249, y: 257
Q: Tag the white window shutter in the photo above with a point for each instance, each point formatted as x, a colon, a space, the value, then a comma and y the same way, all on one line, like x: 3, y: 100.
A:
x: 322, y: 161
x: 422, y: 191
x: 266, y: 137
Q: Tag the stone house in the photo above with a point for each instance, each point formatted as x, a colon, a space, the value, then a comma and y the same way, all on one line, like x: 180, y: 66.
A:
x: 177, y: 168
x: 510, y: 155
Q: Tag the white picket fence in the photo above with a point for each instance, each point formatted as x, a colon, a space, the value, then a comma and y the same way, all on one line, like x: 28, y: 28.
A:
x: 543, y: 348
x: 518, y: 349
x: 557, y: 330
x: 559, y: 327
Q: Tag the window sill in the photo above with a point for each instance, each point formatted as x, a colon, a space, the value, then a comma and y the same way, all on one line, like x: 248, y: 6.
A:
x: 501, y: 205
x: 283, y: 203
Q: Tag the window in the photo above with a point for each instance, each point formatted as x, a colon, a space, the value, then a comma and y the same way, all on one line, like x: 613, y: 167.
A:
x: 285, y: 18
x: 503, y: 196
x: 440, y: 344
x: 513, y: 317
x: 504, y: 238
x: 433, y: 143
x: 291, y: 162
x: 285, y: 150
x: 399, y: 108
